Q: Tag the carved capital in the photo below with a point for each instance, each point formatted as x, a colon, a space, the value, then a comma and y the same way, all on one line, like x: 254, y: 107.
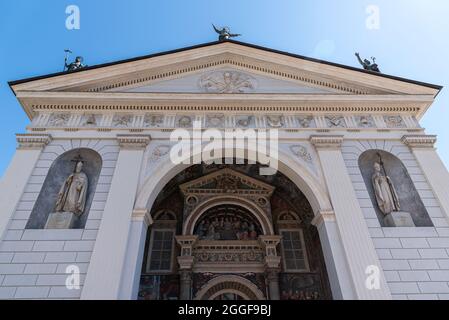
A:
x: 327, y: 142
x: 419, y: 141
x: 32, y: 140
x: 322, y: 217
x: 273, y: 263
x: 186, y: 263
x: 142, y: 215
x: 131, y: 141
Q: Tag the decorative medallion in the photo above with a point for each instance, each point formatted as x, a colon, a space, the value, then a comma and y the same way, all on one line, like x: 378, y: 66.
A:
x: 275, y: 121
x: 192, y: 200
x: 301, y: 152
x: 122, y: 121
x: 159, y: 152
x: 243, y: 121
x: 184, y: 121
x: 306, y: 122
x: 394, y: 122
x: 89, y: 120
x: 335, y: 121
x: 59, y: 119
x: 215, y: 121
x: 151, y: 120
x: 227, y: 82
x: 365, y: 121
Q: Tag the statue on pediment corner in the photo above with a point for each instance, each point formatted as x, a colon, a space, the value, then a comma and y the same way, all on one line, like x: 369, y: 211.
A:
x: 225, y: 33
x: 368, y: 65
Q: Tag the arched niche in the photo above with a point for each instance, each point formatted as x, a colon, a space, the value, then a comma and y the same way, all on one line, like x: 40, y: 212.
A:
x: 409, y: 199
x: 60, y: 169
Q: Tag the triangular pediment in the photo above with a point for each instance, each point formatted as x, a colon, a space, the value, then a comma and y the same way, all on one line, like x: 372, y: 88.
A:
x: 197, y: 75
x: 226, y: 181
x: 226, y: 80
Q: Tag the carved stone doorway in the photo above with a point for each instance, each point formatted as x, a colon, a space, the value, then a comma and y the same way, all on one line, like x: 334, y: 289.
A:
x: 250, y: 216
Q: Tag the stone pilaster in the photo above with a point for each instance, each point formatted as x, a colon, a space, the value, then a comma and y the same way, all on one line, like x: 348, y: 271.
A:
x: 16, y: 177
x: 109, y: 255
x: 337, y: 268
x: 422, y: 147
x: 358, y: 246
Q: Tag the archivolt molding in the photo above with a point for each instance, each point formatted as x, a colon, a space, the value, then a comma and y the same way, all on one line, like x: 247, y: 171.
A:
x: 352, y: 149
x: 227, y: 282
x: 261, y: 214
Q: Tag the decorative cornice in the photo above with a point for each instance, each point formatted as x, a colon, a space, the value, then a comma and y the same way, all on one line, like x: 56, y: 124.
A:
x: 327, y: 142
x: 32, y: 140
x: 130, y: 141
x: 142, y: 215
x: 322, y: 217
x: 419, y: 141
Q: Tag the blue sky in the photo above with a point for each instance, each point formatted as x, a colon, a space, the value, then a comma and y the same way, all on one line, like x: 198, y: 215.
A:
x: 411, y: 41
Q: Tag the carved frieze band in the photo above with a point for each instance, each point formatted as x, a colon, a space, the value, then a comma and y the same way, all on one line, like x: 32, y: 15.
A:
x: 419, y: 141
x: 32, y: 141
x: 133, y: 141
x: 327, y: 142
x: 133, y: 121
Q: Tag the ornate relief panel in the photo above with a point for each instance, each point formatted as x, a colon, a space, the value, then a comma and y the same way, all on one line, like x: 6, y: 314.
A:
x: 226, y: 183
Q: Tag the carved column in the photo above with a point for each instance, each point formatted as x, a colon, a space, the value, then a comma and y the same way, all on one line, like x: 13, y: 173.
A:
x: 107, y: 263
x: 357, y: 244
x: 16, y: 177
x: 431, y: 165
x: 272, y: 264
x: 186, y: 262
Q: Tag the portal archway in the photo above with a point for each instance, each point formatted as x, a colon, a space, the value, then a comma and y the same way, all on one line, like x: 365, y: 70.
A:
x: 243, y: 220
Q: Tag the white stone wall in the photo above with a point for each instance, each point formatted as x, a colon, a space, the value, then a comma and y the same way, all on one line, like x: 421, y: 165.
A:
x: 415, y: 260
x: 33, y: 262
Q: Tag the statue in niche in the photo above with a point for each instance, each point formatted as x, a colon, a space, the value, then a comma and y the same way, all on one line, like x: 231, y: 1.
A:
x: 71, y: 200
x: 386, y: 196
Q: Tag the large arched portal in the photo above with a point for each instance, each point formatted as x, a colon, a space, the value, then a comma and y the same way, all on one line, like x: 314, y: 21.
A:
x: 213, y: 222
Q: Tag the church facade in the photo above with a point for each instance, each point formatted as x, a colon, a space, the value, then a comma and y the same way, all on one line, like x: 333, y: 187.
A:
x: 93, y: 206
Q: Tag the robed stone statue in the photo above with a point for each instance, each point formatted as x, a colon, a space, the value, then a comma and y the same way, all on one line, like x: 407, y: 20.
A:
x: 71, y: 200
x: 386, y: 196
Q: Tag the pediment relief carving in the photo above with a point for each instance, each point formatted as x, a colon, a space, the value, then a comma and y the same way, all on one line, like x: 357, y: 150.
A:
x: 227, y: 181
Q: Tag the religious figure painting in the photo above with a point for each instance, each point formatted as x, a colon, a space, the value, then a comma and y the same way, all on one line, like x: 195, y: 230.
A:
x: 230, y: 225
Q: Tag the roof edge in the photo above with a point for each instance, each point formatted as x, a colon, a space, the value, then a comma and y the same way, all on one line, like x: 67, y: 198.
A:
x: 425, y: 84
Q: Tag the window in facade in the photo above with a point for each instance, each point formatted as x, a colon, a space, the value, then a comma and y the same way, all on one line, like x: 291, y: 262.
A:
x: 294, y: 253
x: 161, y: 251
